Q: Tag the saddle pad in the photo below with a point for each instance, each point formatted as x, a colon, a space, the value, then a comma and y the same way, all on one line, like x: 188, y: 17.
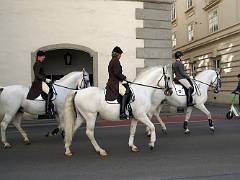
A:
x: 113, y: 102
x: 39, y: 98
x: 180, y: 90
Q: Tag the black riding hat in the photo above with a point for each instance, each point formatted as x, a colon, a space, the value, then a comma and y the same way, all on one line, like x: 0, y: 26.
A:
x: 178, y: 54
x: 117, y: 50
x: 40, y: 53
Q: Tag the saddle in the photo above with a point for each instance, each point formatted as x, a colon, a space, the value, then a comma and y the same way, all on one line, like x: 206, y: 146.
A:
x: 43, y: 96
x: 181, y: 90
x: 129, y: 100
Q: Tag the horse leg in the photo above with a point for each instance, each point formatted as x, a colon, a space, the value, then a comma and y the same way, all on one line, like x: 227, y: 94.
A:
x: 90, y: 124
x: 157, y: 115
x: 131, y: 137
x: 55, y: 131
x: 203, y: 108
x: 17, y: 123
x: 6, y: 120
x: 78, y: 122
x: 145, y: 120
x: 187, y: 117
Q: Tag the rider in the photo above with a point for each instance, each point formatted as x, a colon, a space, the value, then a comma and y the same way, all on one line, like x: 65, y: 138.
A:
x: 237, y: 90
x: 117, y: 82
x: 40, y: 83
x: 182, y: 77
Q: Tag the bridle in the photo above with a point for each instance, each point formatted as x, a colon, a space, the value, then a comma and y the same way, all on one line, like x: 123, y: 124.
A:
x: 218, y: 84
x: 84, y: 82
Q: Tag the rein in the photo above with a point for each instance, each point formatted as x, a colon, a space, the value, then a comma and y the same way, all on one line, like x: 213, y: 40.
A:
x: 65, y: 87
x: 144, y: 85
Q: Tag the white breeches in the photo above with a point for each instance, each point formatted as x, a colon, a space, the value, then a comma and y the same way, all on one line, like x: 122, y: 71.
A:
x: 185, y: 83
x: 122, y: 89
x: 45, y: 87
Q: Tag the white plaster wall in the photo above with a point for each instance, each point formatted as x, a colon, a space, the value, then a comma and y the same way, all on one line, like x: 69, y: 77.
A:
x: 27, y: 25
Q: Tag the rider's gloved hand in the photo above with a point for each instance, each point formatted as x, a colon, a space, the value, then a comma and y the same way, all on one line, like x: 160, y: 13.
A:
x: 48, y: 80
x: 124, y: 82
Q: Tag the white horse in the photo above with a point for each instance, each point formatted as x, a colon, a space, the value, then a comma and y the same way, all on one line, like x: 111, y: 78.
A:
x: 177, y: 97
x: 90, y: 102
x: 13, y: 102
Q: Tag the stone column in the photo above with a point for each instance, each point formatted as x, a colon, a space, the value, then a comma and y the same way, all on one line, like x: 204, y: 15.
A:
x: 156, y: 32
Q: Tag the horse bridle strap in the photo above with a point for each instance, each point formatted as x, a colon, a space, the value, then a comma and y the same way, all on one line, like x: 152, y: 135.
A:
x: 65, y: 87
x: 204, y: 83
x: 144, y: 85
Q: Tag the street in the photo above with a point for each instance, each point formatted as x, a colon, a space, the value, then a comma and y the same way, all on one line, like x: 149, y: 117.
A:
x: 200, y: 155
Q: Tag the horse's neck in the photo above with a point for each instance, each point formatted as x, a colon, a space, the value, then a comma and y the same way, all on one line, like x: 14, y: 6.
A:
x: 70, y: 82
x: 205, y: 78
x: 150, y: 79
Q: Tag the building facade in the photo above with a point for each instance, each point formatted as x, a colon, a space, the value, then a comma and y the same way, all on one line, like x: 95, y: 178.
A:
x: 81, y: 34
x: 208, y: 32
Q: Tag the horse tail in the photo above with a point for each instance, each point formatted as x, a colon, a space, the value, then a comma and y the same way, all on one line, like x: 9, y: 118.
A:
x: 1, y: 89
x: 69, y: 118
x: 1, y: 115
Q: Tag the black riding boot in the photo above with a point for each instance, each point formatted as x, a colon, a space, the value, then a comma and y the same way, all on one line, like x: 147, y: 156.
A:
x: 189, y: 97
x: 49, y: 106
x: 123, y: 107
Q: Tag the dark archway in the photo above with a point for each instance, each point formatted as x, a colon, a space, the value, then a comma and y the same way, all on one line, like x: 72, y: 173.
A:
x: 64, y: 58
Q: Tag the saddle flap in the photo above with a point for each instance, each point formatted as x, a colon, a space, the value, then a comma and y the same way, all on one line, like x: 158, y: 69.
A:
x: 181, y: 91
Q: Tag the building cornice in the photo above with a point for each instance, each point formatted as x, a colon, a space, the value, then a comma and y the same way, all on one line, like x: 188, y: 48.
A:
x: 150, y: 1
x: 211, y: 38
x: 211, y: 3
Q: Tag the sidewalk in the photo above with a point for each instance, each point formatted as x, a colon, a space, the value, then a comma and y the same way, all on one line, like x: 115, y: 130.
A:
x: 218, y: 112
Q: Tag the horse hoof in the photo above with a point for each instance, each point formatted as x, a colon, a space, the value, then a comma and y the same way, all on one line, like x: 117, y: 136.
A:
x: 27, y: 142
x: 187, y: 131
x: 164, y: 131
x: 103, y: 153
x: 151, y: 147
x: 134, y: 149
x: 212, y: 129
x: 7, y: 146
x: 63, y: 134
x: 148, y: 135
x: 69, y: 154
x: 47, y: 135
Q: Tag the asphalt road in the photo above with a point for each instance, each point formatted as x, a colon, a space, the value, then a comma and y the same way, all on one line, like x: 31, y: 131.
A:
x: 200, y: 155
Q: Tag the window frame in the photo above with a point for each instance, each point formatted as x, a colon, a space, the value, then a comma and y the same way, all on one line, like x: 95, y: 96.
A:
x: 174, y: 39
x: 190, y: 31
x: 213, y: 21
x: 173, y: 11
x: 189, y: 4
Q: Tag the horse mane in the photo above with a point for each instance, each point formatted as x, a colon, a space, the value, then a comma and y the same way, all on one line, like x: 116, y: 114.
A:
x: 69, y: 75
x: 145, y: 71
x: 202, y: 72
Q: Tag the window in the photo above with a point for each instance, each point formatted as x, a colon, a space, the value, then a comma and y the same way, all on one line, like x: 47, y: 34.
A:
x: 189, y: 4
x: 190, y: 32
x: 217, y: 63
x: 213, y: 21
x: 193, y: 69
x: 173, y: 11
x: 174, y: 40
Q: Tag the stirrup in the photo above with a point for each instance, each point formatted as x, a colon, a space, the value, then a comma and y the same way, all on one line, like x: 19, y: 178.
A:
x: 190, y: 104
x: 123, y: 116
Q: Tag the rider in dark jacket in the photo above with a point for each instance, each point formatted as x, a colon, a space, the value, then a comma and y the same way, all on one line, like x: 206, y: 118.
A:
x: 116, y: 85
x: 40, y: 83
x: 182, y: 77
x: 237, y: 90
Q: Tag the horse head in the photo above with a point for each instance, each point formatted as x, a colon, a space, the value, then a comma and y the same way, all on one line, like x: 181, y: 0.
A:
x: 216, y: 81
x: 85, y: 81
x: 167, y: 78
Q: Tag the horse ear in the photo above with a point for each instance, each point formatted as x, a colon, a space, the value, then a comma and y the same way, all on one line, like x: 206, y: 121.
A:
x: 219, y: 70
x: 83, y: 70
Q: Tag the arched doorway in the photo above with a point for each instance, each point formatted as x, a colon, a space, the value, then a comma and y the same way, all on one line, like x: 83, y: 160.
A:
x: 64, y: 58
